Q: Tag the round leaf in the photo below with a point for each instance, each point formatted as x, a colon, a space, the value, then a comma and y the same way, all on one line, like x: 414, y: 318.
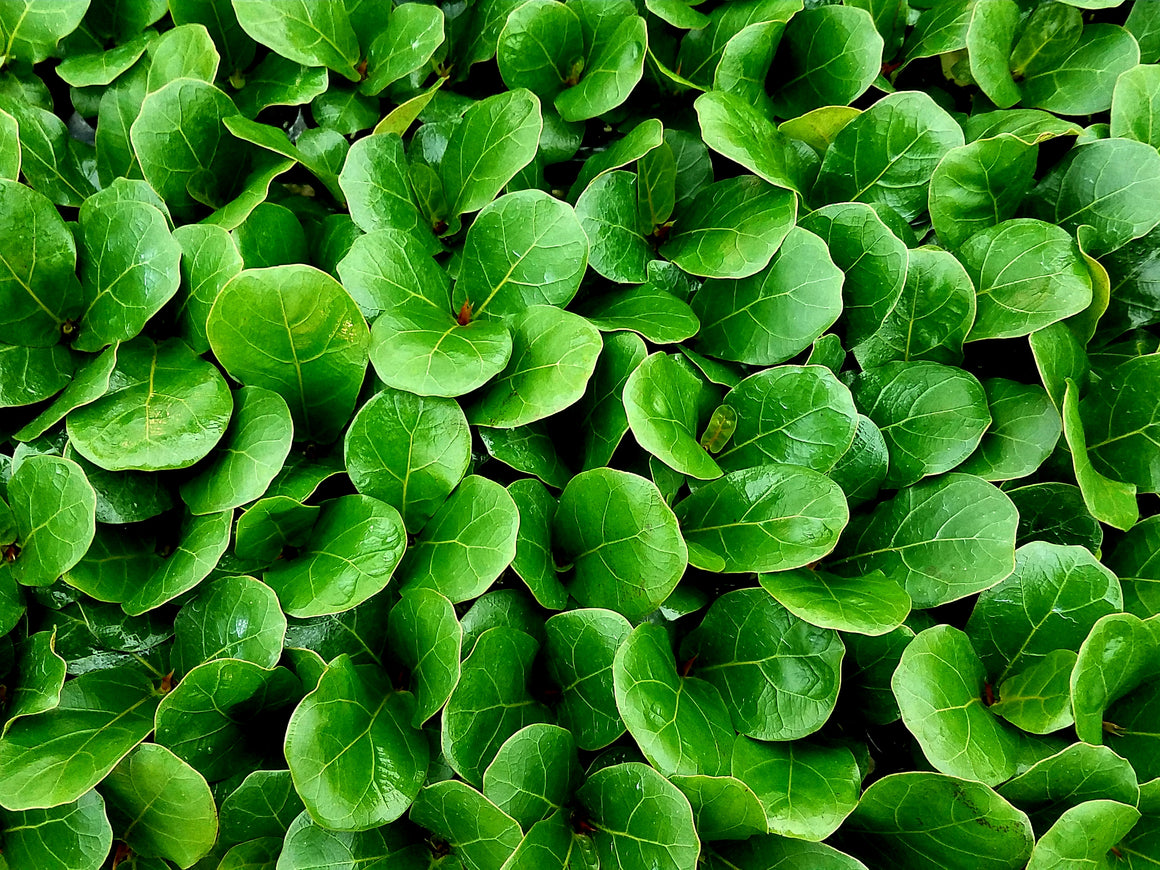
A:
x: 351, y: 554
x: 767, y: 518
x: 253, y: 450
x: 622, y: 540
x: 356, y: 760
x: 467, y: 544
x: 296, y: 331
x: 409, y: 451
x: 872, y: 605
x: 942, y: 539
x: 55, y: 513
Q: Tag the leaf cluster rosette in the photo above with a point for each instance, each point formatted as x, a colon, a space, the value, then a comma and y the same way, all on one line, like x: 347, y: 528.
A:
x: 637, y: 434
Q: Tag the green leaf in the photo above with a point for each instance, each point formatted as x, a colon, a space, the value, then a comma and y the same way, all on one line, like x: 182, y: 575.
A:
x: 204, y: 720
x: 533, y: 561
x: 263, y: 805
x: 471, y: 538
x: 627, y: 834
x: 622, y: 541
x: 10, y: 147
x: 160, y: 806
x: 1084, y: 835
x: 374, y: 180
x: 1135, y: 104
x: 799, y: 415
x: 356, y: 760
x: 1082, y: 81
x: 832, y: 54
x: 230, y: 618
x: 203, y: 541
x: 209, y: 259
x: 888, y: 154
x: 1116, y: 657
x: 605, y: 421
x: 614, y: 66
x: 939, y: 687
x: 413, y: 35
x: 491, y: 701
x: 907, y: 819
x: 645, y: 137
x: 277, y: 81
x: 979, y: 185
x: 528, y: 449
x: 990, y: 38
x: 50, y: 160
x: 496, y: 139
x: 942, y: 539
x: 661, y: 399
x: 38, y: 287
x: 351, y: 554
x: 296, y: 331
x: 779, y: 676
x: 1025, y: 427
x: 737, y: 130
x: 1112, y: 185
x: 678, y: 722
x: 272, y: 524
x: 309, y: 845
x: 168, y: 410
x: 54, y: 757
x: 553, y: 356
x: 931, y: 415
x: 806, y: 790
x: 30, y: 30
x: 942, y: 28
x: 770, y: 317
x: 1134, y: 561
x: 1079, y: 773
x: 481, y: 835
x: 74, y: 836
x: 609, y: 215
x: 658, y: 316
x: 252, y: 452
x: 183, y: 148
x: 1110, y: 501
x: 425, y: 634
x: 409, y: 451
x: 417, y: 343
x: 523, y: 249
x: 931, y: 318
x: 873, y: 259
x: 533, y: 774
x: 724, y: 807
x: 219, y: 18
x: 772, y: 850
x: 539, y: 46
x: 42, y: 674
x: 580, y: 651
x: 733, y: 229
x: 314, y: 33
x: 186, y: 51
x: 1038, y: 698
x: 1124, y: 439
x: 1029, y: 274
x: 766, y: 518
x: 1051, y: 601
x: 873, y: 604
x: 54, y: 507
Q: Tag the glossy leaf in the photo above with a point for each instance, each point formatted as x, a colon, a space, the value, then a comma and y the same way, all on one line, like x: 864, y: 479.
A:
x: 351, y: 553
x: 293, y: 330
x: 779, y: 675
x: 622, y: 541
x: 356, y: 760
x: 54, y: 508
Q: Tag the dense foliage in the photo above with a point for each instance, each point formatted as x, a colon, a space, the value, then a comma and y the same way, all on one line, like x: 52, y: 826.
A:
x: 639, y: 434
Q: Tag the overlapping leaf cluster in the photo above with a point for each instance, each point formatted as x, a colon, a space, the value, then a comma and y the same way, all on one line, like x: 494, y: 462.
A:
x: 606, y: 433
